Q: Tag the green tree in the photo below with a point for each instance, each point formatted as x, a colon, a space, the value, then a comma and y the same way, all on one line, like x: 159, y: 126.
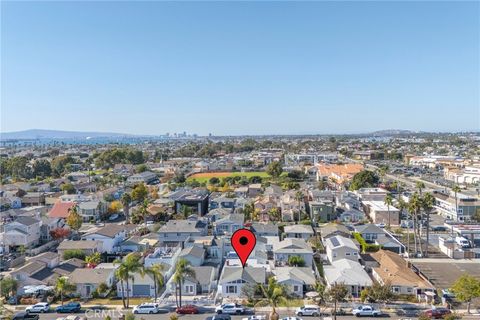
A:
x: 338, y: 292
x: 156, y: 272
x: 414, y: 206
x: 121, y: 273
x: 186, y: 211
x: 296, y: 261
x: 363, y: 179
x: 466, y: 288
x: 275, y: 169
x: 74, y: 220
x: 428, y: 201
x: 141, y: 168
x: 389, y: 202
x: 126, y: 201
x: 248, y: 210
x: 94, y: 259
x: 68, y: 188
x: 8, y: 286
x: 273, y: 294
x: 129, y: 266
x: 74, y: 253
x: 420, y: 186
x: 139, y: 192
x: 214, y: 181
x: 42, y: 168
x: 63, y: 286
x: 299, y: 197
x: 183, y: 270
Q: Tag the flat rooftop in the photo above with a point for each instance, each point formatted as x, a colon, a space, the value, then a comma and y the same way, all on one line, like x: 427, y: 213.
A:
x: 444, y: 272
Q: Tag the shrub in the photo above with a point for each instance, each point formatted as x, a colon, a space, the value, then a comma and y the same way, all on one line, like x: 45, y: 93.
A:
x: 74, y: 253
x: 366, y: 247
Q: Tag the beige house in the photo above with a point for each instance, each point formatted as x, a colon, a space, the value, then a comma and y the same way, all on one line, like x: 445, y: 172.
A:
x: 87, y: 280
x: 395, y: 270
x: 87, y: 246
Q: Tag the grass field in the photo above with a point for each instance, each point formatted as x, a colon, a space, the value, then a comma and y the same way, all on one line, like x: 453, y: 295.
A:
x: 205, y: 176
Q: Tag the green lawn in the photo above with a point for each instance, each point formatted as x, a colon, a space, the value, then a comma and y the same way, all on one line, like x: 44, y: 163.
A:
x: 204, y: 177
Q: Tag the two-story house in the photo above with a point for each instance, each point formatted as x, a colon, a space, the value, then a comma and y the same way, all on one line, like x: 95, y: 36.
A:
x: 24, y: 231
x: 111, y: 236
x: 338, y: 247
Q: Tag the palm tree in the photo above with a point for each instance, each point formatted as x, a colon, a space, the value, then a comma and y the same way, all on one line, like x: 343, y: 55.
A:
x: 420, y: 186
x: 122, y: 274
x: 126, y: 200
x: 155, y: 271
x: 94, y: 259
x: 273, y: 294
x: 62, y: 285
x: 427, y: 203
x: 456, y: 189
x: 389, y: 202
x: 182, y: 271
x: 299, y: 197
x: 414, y: 206
x: 144, y: 211
x: 130, y: 265
x: 248, y: 211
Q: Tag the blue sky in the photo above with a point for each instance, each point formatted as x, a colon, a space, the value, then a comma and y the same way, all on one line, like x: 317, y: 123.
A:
x: 240, y: 68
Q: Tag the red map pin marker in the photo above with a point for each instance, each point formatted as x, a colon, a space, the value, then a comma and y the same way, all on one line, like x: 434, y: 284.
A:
x: 243, y: 241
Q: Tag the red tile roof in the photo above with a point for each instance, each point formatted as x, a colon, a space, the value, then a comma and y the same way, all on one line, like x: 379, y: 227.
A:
x: 61, y: 209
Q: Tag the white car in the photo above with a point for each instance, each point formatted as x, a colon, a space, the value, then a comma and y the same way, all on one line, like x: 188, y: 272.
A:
x: 230, y: 308
x: 113, y: 217
x: 291, y: 318
x: 311, y: 310
x: 367, y: 311
x: 39, y: 307
x: 255, y: 318
x: 149, y: 308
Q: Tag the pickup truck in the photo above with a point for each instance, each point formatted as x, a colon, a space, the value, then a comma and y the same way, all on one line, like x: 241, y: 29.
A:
x: 230, y: 308
x: 366, y: 311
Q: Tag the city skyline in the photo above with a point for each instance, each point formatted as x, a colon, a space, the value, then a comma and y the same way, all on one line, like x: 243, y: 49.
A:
x: 240, y: 68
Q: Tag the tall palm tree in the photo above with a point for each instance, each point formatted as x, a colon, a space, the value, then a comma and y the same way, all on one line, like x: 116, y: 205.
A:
x: 126, y: 200
x: 414, y: 206
x: 456, y: 189
x: 122, y: 274
x: 144, y: 211
x: 427, y: 203
x: 273, y: 294
x: 130, y: 265
x: 299, y: 197
x: 156, y: 272
x: 420, y: 186
x: 62, y: 286
x: 182, y: 271
x: 389, y: 202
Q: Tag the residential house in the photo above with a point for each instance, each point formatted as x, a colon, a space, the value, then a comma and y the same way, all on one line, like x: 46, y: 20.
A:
x: 290, y: 247
x: 379, y: 212
x: 203, y: 283
x: 146, y: 177
x: 334, y: 229
x: 349, y: 273
x: 300, y: 231
x: 61, y: 210
x: 197, y: 200
x: 254, y: 190
x: 371, y: 194
x: 141, y: 286
x: 123, y: 169
x: 338, y: 247
x: 181, y: 230
x: 396, y: 271
x: 229, y: 224
x: 87, y: 246
x: 195, y: 255
x: 91, y: 210
x: 33, y: 199
x: 49, y: 224
x: 24, y: 231
x: 467, y: 206
x: 322, y: 211
x: 10, y: 202
x: 297, y: 280
x: 87, y: 280
x: 223, y: 203
x: 111, y: 236
x: 370, y: 232
x: 264, y: 229
x: 352, y: 215
x: 233, y: 279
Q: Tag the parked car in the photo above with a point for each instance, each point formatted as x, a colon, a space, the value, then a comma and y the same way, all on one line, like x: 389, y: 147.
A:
x: 439, y: 228
x: 25, y: 316
x: 220, y: 317
x: 255, y: 317
x: 113, y: 217
x: 437, y: 313
x: 367, y: 311
x: 149, y: 308
x: 39, y: 307
x: 69, y: 307
x: 187, y: 309
x: 447, y: 293
x: 309, y: 310
x: 291, y: 318
x: 230, y: 308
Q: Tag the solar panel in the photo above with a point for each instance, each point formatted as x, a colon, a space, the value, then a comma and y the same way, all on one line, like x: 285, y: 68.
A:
x: 335, y: 242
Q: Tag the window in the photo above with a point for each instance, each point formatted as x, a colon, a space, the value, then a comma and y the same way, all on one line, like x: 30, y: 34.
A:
x: 347, y: 254
x: 355, y: 254
x: 409, y: 290
x: 295, y: 288
x: 396, y: 289
x: 189, y: 289
x: 334, y: 254
x: 231, y: 289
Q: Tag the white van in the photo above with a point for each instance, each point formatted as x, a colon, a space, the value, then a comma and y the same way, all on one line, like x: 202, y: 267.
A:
x: 462, y: 242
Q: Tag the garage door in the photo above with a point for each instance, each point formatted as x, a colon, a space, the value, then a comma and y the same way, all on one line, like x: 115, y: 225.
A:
x: 141, y: 290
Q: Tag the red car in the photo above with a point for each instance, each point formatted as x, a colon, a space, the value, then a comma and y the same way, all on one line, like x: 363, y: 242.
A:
x: 188, y: 309
x: 437, y: 313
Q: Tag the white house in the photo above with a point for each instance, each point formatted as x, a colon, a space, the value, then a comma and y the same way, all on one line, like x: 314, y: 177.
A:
x: 233, y: 279
x: 300, y: 231
x: 229, y: 224
x: 290, y: 247
x: 24, y: 231
x: 296, y: 280
x: 348, y: 272
x: 338, y: 247
x: 111, y: 236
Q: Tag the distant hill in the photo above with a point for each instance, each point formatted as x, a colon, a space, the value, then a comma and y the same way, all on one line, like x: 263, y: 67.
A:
x: 57, y: 134
x: 392, y: 132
